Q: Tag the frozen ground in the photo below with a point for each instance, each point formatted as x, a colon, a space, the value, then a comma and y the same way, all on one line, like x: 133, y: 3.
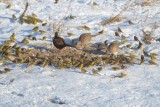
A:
x: 51, y: 87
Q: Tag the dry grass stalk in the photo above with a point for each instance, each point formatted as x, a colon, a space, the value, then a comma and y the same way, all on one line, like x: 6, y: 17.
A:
x: 23, y: 14
x: 29, y: 19
x: 57, y: 27
x: 117, y: 17
x: 112, y: 20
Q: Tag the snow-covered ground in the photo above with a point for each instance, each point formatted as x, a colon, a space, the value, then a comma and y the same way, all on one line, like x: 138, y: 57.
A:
x: 52, y: 87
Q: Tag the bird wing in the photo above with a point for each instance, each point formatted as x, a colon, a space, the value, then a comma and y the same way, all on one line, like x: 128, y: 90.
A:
x: 60, y: 41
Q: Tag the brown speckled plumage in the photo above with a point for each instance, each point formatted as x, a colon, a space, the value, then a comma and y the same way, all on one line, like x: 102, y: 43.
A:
x: 84, y: 39
x: 113, y: 48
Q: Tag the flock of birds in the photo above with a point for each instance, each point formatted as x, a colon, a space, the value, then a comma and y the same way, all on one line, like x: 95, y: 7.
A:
x: 80, y: 57
x: 83, y: 41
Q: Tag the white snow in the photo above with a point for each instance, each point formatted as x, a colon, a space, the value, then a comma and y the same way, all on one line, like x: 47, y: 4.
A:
x: 52, y: 87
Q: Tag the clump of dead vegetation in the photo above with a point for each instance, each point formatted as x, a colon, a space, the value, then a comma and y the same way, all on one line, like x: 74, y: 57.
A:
x: 69, y: 57
x: 23, y: 18
x: 29, y: 19
x: 4, y: 1
x: 147, y: 37
x: 148, y: 2
x: 114, y: 19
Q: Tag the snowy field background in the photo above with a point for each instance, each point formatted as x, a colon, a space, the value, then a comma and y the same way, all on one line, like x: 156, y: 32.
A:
x: 52, y: 87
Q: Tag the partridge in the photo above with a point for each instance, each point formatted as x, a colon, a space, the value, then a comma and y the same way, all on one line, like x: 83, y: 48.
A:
x: 84, y: 39
x: 113, y: 48
x: 59, y: 42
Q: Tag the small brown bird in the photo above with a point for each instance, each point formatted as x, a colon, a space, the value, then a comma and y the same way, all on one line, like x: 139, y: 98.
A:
x: 84, y: 39
x: 113, y: 48
x: 59, y: 42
